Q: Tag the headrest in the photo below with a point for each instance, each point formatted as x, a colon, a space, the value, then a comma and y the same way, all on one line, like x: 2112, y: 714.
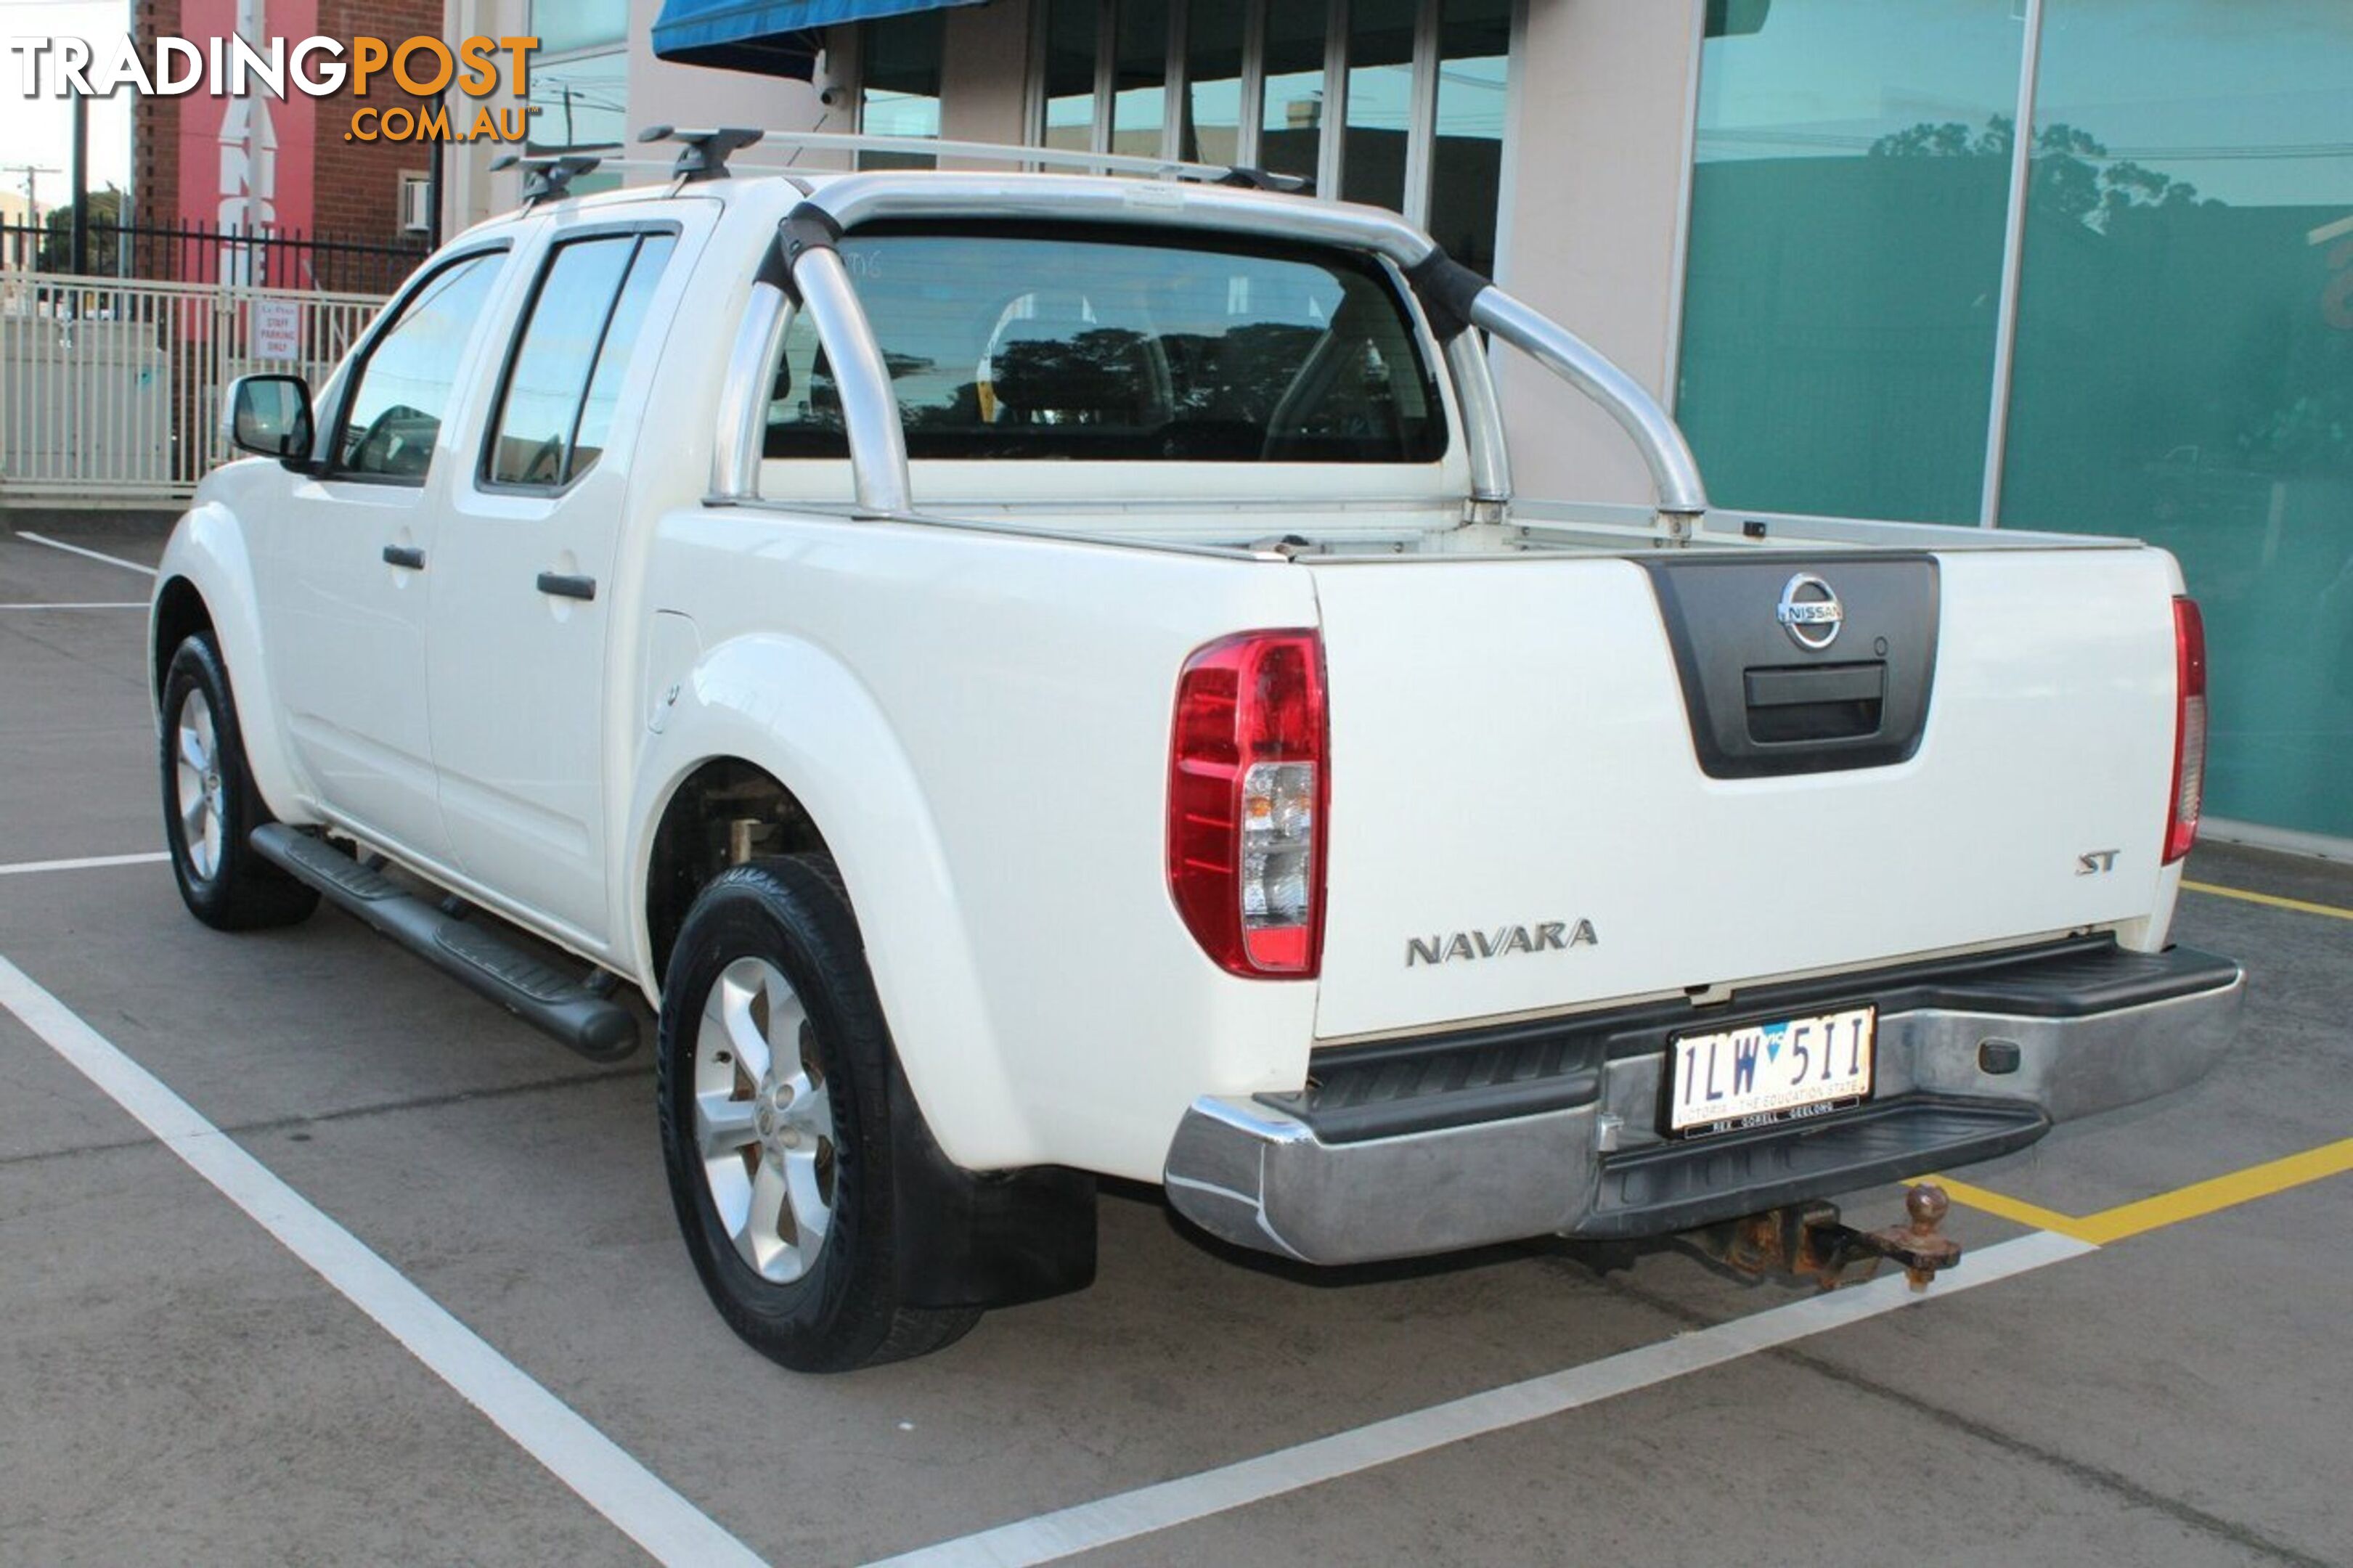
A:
x: 1094, y: 374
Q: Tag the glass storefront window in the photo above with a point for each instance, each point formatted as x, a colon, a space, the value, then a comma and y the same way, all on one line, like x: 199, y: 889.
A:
x: 1466, y: 158
x: 1290, y: 121
x: 1069, y: 71
x: 564, y: 25
x: 1140, y: 78
x: 901, y: 93
x: 2184, y: 364
x: 1211, y: 130
x: 1843, y: 295
x: 582, y: 102
x: 1381, y: 101
x: 1259, y: 94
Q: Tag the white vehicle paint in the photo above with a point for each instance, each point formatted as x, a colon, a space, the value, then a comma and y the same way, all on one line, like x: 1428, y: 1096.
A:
x: 969, y: 698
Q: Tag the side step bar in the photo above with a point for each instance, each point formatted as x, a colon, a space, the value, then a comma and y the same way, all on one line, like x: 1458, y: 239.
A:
x: 599, y: 1029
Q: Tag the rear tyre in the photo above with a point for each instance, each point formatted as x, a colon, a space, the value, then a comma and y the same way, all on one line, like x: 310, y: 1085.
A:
x: 771, y: 1082
x: 210, y: 804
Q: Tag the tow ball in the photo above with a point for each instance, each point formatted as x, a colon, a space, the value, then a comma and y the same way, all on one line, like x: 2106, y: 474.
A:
x: 1808, y: 1241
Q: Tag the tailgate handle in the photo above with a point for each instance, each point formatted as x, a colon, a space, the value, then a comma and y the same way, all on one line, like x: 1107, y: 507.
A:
x: 1826, y: 683
x: 1815, y: 705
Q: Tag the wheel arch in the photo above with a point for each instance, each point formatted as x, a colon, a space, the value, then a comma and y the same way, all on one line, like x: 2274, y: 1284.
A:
x: 205, y: 582
x: 180, y: 612
x: 723, y: 812
x: 777, y: 720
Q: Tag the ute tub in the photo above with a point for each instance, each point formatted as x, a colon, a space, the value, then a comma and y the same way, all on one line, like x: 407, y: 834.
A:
x: 1435, y: 1144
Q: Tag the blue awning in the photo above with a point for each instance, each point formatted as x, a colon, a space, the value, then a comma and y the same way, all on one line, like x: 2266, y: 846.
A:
x: 777, y: 38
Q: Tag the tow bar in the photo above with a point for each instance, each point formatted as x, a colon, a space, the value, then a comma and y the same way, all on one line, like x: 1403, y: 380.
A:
x: 1807, y: 1241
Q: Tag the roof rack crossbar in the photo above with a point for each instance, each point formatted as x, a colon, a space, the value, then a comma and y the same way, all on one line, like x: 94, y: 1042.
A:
x: 1268, y: 180
x: 849, y: 145
x: 545, y: 178
x: 704, y: 154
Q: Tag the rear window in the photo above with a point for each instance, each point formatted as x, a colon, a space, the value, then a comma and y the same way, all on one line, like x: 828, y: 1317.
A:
x: 1090, y: 346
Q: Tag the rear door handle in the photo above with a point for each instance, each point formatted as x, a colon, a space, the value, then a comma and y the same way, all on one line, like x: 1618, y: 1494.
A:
x: 404, y: 555
x: 564, y: 587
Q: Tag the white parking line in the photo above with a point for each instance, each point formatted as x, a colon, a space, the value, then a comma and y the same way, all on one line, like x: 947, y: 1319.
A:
x: 92, y: 555
x: 124, y: 604
x: 1155, y: 1508
x: 616, y: 1485
x: 91, y: 863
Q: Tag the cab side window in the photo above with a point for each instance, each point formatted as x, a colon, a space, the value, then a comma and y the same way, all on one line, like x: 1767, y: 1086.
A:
x: 402, y: 393
x: 556, y: 412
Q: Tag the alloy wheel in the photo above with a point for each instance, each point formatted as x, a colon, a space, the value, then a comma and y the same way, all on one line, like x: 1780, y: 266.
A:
x: 764, y: 1121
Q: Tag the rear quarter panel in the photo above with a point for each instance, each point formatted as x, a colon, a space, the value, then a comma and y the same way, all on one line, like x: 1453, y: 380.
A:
x: 979, y: 724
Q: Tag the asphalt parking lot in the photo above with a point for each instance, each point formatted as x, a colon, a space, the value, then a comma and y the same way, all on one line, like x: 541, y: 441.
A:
x: 2145, y: 1360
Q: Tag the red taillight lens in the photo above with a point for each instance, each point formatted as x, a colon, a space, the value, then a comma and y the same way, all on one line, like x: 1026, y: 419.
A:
x: 1246, y: 791
x: 2188, y: 730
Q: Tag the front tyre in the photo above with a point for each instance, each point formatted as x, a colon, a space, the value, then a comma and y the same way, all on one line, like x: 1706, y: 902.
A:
x: 771, y: 1081
x: 210, y: 804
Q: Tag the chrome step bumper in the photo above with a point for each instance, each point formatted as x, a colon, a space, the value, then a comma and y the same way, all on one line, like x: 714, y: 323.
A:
x: 1565, y: 1150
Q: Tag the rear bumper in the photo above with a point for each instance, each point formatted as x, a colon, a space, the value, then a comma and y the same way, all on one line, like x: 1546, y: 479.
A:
x: 1435, y: 1145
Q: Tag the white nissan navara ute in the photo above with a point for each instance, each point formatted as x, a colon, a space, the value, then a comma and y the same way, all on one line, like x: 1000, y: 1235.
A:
x: 1037, y: 676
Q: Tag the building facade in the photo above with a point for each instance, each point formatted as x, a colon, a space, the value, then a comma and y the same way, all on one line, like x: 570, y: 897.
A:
x: 595, y: 83
x: 265, y: 164
x: 1813, y: 226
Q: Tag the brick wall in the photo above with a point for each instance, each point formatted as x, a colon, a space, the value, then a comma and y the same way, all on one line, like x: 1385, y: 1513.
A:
x: 357, y: 192
x: 355, y: 189
x: 154, y: 124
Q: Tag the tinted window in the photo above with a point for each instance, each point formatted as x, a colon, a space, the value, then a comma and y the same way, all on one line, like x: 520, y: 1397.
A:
x: 575, y: 346
x: 1030, y: 346
x: 394, y: 411
x: 620, y: 338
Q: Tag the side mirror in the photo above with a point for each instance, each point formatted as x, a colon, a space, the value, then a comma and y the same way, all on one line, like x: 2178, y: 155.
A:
x: 271, y: 416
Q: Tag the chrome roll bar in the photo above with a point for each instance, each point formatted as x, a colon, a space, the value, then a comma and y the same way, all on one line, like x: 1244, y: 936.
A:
x: 854, y: 199
x: 870, y: 408
x: 1483, y: 415
x: 743, y: 396
x: 1674, y: 475
x: 878, y: 443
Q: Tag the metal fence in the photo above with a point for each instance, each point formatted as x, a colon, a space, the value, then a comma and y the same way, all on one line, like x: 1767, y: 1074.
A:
x: 110, y: 389
x: 199, y: 253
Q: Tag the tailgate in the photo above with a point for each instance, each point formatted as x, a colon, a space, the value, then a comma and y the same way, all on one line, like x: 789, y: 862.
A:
x: 1557, y: 783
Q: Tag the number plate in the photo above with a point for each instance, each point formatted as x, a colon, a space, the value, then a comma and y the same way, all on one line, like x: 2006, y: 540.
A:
x: 1772, y: 1070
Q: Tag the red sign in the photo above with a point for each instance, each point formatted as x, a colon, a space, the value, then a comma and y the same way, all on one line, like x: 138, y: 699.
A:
x: 246, y: 163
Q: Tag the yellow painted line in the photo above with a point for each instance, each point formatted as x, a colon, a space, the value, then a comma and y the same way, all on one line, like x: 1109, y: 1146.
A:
x: 2222, y: 1193
x: 2011, y: 1208
x: 2273, y: 899
x: 2166, y: 1208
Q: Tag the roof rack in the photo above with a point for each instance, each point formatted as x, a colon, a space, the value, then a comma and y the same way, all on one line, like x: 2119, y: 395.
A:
x: 702, y: 155
x: 545, y: 179
x: 702, y: 146
x: 705, y: 155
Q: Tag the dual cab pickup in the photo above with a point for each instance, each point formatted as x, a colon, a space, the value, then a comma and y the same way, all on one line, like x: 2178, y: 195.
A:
x: 1039, y: 675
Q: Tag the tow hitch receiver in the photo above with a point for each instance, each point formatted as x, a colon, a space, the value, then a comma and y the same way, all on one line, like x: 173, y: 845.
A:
x: 1807, y: 1241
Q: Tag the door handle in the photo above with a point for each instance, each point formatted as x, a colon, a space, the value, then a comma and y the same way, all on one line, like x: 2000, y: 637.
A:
x: 404, y: 555
x: 564, y: 587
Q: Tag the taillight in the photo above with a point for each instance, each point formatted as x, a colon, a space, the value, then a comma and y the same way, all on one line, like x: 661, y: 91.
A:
x: 2188, y: 730
x: 1246, y: 791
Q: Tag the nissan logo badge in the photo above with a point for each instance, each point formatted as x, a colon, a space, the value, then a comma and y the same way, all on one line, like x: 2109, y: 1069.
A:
x: 1810, y: 611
